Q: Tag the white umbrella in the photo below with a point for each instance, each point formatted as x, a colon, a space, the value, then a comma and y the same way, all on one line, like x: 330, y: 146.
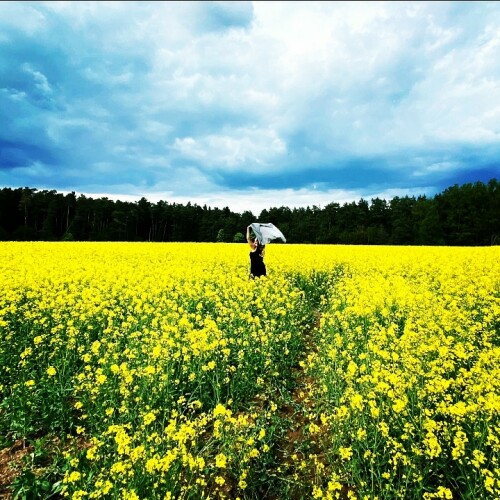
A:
x: 266, y: 232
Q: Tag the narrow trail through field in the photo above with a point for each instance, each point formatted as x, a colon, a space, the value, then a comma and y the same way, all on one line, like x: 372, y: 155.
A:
x: 298, y: 446
x: 11, y: 460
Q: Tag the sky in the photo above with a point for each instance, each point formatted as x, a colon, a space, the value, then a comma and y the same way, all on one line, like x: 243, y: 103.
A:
x: 249, y: 105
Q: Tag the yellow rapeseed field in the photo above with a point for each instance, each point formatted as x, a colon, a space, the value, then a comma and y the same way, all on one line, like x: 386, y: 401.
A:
x: 160, y: 370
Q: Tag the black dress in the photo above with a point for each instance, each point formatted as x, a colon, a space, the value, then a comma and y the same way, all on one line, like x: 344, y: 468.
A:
x: 257, y: 266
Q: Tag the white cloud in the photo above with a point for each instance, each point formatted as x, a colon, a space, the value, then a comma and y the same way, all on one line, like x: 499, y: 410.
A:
x: 439, y: 167
x: 256, y: 201
x: 22, y: 16
x: 41, y: 82
x: 35, y: 170
x: 243, y: 149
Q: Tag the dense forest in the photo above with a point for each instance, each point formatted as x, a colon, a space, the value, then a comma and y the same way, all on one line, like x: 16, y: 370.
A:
x: 466, y: 215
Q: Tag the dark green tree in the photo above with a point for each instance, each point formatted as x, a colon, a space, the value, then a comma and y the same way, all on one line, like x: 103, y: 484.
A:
x: 402, y: 220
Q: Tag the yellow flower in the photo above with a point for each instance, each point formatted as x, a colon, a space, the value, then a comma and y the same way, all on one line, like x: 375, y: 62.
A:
x: 334, y: 485
x: 130, y: 495
x: 51, y: 371
x: 73, y: 477
x: 219, y: 410
x: 432, y: 447
x: 345, y: 453
x: 317, y: 492
x: 91, y: 453
x: 361, y: 434
x: 220, y: 461
x: 313, y: 428
x: 479, y: 458
x: 399, y: 405
x: 149, y: 418
x: 459, y: 442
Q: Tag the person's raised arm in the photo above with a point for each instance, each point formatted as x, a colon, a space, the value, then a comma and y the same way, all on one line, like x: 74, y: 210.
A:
x: 248, y: 237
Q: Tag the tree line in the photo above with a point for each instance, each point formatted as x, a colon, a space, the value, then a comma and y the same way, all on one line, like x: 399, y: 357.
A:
x: 466, y: 215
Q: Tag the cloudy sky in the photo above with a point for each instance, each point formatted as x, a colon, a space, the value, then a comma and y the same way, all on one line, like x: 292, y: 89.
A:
x: 249, y: 105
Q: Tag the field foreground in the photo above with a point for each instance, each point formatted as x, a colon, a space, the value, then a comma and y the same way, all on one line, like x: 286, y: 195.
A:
x: 156, y: 371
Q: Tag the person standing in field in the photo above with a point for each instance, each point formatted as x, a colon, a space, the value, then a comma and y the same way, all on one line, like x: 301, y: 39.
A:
x: 257, y: 252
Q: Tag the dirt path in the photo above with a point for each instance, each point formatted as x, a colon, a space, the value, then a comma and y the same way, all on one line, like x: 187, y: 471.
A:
x: 298, y: 446
x: 11, y: 463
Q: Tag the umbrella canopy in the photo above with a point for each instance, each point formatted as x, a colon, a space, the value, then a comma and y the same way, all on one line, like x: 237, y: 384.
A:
x: 266, y: 232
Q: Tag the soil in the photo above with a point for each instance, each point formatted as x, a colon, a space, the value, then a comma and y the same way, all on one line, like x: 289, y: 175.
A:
x: 11, y: 463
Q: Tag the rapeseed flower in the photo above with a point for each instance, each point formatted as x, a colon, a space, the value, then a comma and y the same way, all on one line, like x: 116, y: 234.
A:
x: 148, y: 343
